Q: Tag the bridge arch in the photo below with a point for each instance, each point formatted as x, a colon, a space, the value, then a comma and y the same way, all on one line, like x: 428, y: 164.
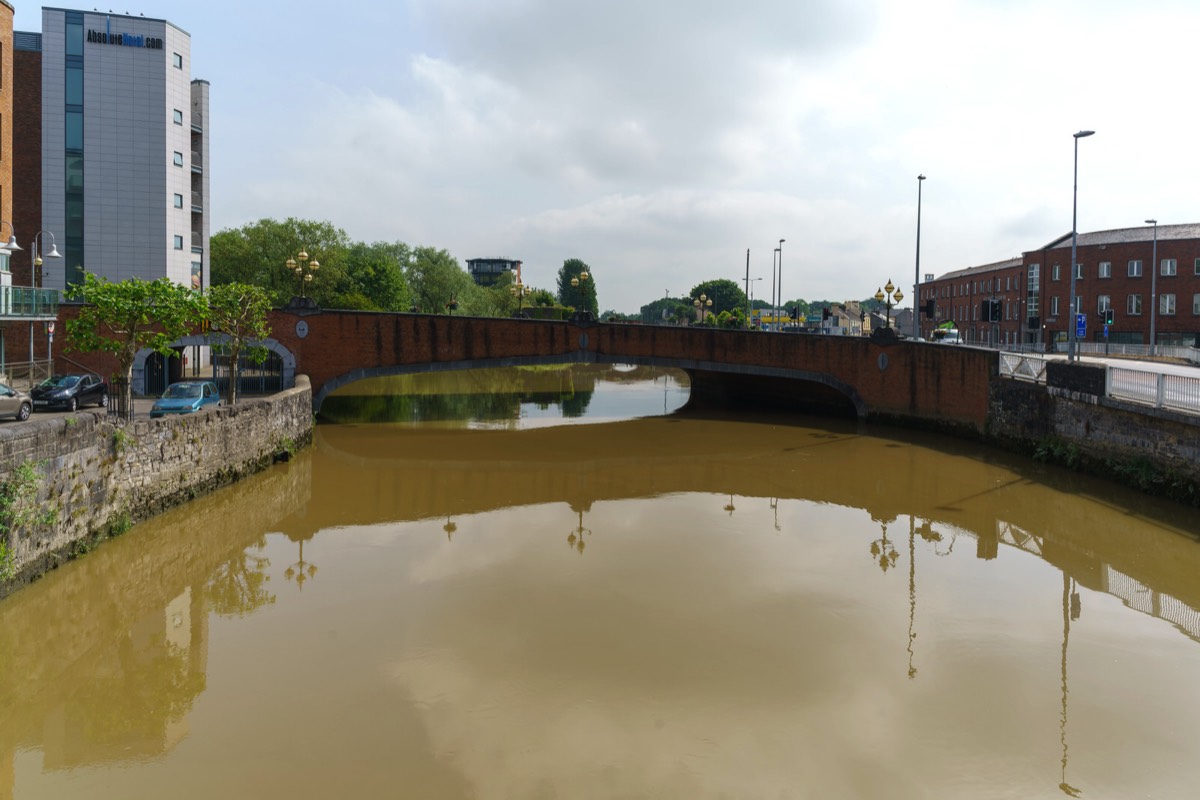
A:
x: 694, y: 369
x: 286, y: 357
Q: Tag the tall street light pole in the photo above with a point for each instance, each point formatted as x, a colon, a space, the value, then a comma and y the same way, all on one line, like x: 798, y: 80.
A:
x: 1153, y: 284
x: 917, y: 272
x: 774, y: 316
x: 1071, y: 337
x: 779, y: 305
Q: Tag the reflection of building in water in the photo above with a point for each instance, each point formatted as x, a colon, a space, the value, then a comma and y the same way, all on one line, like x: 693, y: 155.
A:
x: 136, y: 697
x: 1094, y: 574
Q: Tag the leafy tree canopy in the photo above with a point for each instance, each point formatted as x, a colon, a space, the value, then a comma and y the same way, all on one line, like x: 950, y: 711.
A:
x: 582, y: 295
x: 237, y: 314
x: 725, y: 294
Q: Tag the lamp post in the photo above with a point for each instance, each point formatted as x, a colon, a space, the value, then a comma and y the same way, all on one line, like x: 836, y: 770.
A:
x: 1071, y: 338
x: 779, y: 304
x: 576, y: 282
x: 917, y: 271
x: 751, y: 282
x: 892, y: 295
x: 774, y: 316
x: 701, y: 303
x: 1153, y: 284
x: 35, y: 259
x: 304, y: 269
x: 519, y: 291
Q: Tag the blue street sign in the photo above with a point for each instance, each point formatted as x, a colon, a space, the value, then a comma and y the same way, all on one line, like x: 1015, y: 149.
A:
x: 1080, y: 326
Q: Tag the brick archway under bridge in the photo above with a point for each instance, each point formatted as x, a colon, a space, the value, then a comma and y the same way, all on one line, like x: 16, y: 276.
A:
x: 912, y: 382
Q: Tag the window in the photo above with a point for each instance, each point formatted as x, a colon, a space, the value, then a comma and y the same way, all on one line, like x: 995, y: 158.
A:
x: 1054, y: 306
x: 1033, y: 278
x: 178, y: 200
x: 177, y: 60
x: 1167, y: 267
x: 1105, y: 269
x: 1166, y: 304
x: 178, y: 159
x: 1197, y: 267
x: 1103, y: 303
x: 1133, y: 305
x: 1196, y: 304
x: 1135, y: 269
x: 178, y: 116
x: 178, y: 242
x: 1054, y: 272
x: 1079, y: 271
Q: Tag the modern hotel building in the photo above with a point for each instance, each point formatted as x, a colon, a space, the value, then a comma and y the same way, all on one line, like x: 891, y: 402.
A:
x: 123, y: 149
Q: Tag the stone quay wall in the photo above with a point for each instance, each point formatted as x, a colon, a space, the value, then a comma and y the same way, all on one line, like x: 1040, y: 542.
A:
x: 1154, y: 450
x: 68, y: 482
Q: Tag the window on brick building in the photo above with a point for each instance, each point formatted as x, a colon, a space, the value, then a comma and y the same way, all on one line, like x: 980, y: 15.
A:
x: 1167, y: 267
x: 1103, y: 303
x: 1135, y: 269
x: 1054, y: 306
x: 1078, y: 271
x: 1166, y: 304
x: 1196, y: 304
x: 1104, y: 270
x: 1133, y: 305
x: 1055, y: 272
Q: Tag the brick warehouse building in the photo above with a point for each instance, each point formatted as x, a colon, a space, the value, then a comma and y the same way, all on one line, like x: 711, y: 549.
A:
x: 1031, y: 294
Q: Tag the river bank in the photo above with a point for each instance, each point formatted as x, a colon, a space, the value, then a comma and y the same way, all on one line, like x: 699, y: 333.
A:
x: 69, y: 482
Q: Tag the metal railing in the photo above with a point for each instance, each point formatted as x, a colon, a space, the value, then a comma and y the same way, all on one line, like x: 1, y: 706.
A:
x: 25, y: 375
x: 1024, y: 366
x: 1161, y: 390
x: 1157, y: 389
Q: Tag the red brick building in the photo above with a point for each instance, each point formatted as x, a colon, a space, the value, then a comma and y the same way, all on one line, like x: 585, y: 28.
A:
x: 1148, y: 276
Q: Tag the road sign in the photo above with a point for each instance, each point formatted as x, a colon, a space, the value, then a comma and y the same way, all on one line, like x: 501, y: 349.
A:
x: 1080, y: 326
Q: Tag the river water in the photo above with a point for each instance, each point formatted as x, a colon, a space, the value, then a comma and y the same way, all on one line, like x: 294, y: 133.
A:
x: 537, y: 585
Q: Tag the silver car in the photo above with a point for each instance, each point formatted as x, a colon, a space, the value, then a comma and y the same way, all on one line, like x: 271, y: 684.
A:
x: 17, y: 405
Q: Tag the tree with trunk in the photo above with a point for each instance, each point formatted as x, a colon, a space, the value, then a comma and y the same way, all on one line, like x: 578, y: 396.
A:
x: 133, y: 315
x: 237, y: 316
x: 577, y: 286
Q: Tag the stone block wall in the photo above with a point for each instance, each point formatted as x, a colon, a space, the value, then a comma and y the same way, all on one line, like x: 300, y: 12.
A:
x: 1154, y: 450
x: 96, y: 478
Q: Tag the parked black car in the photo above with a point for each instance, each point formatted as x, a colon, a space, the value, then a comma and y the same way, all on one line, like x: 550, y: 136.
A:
x: 70, y: 392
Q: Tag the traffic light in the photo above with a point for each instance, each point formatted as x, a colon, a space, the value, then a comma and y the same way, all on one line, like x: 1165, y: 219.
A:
x: 825, y: 313
x: 1109, y: 316
x: 794, y: 312
x: 929, y: 308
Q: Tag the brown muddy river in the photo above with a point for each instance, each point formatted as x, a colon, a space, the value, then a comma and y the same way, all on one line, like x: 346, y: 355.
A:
x: 517, y: 589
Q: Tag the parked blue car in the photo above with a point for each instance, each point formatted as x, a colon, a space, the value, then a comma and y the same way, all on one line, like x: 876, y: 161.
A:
x: 186, y: 397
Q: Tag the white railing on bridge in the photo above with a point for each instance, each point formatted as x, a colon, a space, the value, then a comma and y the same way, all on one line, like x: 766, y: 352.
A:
x: 1158, y: 389
x: 1162, y: 390
x: 1025, y: 366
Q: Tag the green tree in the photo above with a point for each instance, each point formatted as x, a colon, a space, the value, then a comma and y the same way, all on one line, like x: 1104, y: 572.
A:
x: 582, y: 294
x: 237, y: 313
x: 123, y: 318
x: 436, y: 279
x: 375, y: 279
x: 257, y: 253
x: 724, y: 293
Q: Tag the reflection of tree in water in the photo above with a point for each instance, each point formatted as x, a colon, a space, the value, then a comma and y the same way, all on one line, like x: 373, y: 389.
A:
x: 237, y: 587
x: 575, y: 405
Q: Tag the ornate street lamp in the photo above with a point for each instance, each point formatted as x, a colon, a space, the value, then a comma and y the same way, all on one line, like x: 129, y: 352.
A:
x: 304, y: 270
x: 519, y: 291
x: 892, y: 295
x: 701, y: 304
x: 35, y: 272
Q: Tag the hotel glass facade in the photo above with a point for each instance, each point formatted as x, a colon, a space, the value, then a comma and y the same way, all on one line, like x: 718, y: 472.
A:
x: 124, y: 149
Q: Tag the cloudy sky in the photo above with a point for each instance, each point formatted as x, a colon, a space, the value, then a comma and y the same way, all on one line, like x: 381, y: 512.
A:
x: 659, y: 140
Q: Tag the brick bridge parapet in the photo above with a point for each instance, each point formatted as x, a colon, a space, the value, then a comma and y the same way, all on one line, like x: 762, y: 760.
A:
x: 912, y: 382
